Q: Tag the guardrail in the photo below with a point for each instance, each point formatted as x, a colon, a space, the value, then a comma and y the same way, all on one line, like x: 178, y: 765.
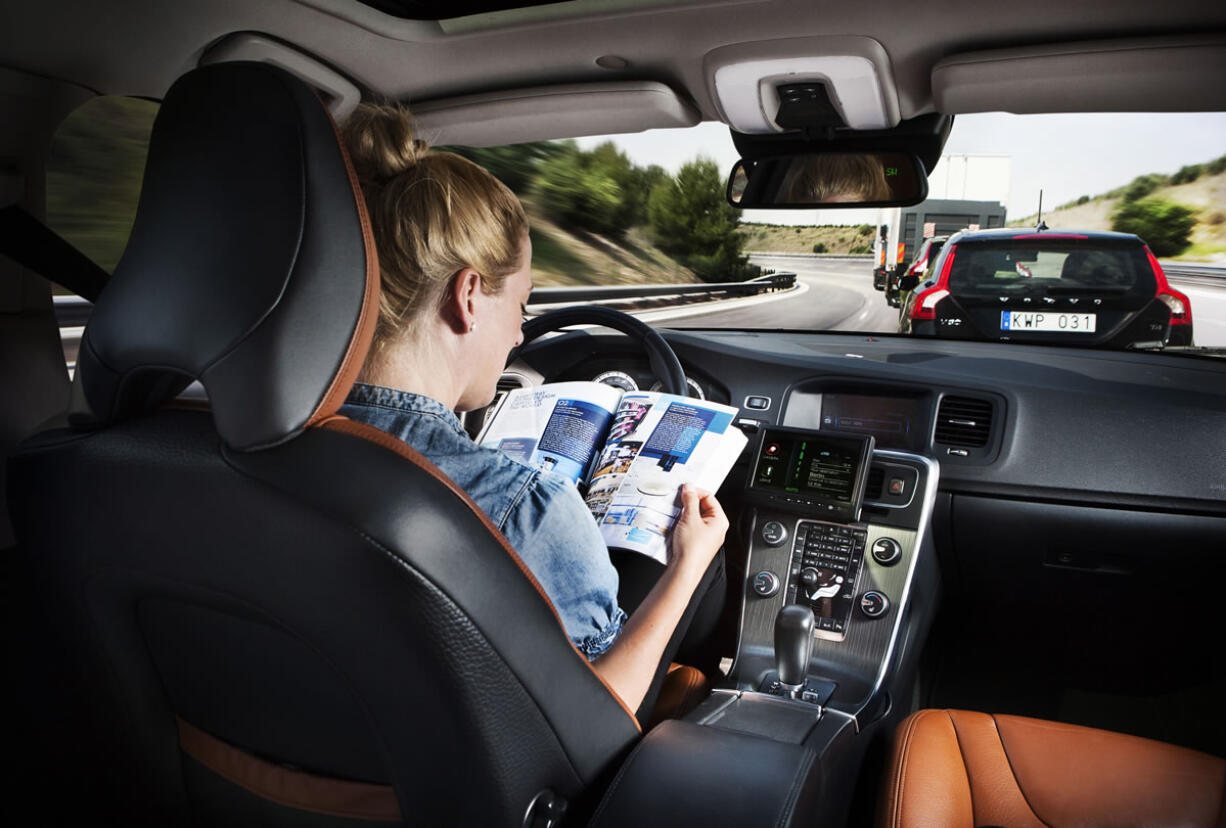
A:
x: 833, y: 257
x: 1195, y: 274
x: 73, y: 311
x: 571, y: 295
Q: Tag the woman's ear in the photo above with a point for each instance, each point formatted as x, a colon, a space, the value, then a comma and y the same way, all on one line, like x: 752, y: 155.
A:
x: 462, y: 300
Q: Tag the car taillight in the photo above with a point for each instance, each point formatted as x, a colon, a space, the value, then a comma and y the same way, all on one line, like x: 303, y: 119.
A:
x: 1181, y: 307
x: 925, y: 304
x: 917, y: 268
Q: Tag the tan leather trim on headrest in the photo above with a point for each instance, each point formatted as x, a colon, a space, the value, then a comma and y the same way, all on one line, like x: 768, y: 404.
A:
x: 364, y: 331
x: 388, y: 441
x: 291, y: 788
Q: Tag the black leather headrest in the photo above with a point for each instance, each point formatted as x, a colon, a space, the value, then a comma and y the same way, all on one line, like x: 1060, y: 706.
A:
x: 250, y: 265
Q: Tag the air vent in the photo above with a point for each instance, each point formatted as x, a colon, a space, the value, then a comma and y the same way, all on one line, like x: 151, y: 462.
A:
x: 509, y: 382
x: 876, y: 479
x: 963, y: 421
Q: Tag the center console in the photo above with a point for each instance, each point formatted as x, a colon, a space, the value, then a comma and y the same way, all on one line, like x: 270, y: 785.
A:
x: 837, y: 597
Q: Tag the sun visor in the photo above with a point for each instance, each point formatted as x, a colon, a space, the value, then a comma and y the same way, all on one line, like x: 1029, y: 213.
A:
x: 547, y: 112
x: 745, y: 80
x: 1158, y: 74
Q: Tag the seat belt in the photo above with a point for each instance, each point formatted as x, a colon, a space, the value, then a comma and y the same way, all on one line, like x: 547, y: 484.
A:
x: 34, y: 245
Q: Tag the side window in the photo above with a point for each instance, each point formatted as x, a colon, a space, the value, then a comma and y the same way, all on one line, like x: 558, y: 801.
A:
x: 94, y: 169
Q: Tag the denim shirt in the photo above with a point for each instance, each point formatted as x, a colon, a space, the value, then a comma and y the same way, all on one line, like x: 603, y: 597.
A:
x: 541, y: 514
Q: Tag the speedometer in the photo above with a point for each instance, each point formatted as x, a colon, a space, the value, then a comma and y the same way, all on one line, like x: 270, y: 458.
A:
x: 618, y: 379
x: 695, y: 388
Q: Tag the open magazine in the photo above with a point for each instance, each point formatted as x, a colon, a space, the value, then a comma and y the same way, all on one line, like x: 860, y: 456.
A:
x: 629, y: 452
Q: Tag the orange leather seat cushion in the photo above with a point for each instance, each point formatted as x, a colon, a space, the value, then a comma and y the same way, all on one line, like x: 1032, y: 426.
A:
x: 683, y: 689
x: 959, y: 769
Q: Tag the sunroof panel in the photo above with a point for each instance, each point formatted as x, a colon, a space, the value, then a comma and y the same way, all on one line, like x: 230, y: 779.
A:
x: 447, y: 9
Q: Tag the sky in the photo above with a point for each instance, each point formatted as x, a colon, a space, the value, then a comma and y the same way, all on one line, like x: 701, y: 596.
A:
x: 1066, y: 155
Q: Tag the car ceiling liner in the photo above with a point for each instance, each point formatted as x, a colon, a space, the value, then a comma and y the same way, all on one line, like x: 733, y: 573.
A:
x: 1179, y: 73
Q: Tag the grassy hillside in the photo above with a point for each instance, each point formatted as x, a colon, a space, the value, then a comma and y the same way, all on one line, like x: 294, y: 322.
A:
x: 837, y: 238
x: 565, y: 257
x: 1206, y: 195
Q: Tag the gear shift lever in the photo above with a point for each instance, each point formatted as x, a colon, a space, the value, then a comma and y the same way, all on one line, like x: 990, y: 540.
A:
x: 793, y: 646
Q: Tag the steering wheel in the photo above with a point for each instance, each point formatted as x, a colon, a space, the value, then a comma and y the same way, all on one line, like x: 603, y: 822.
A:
x: 664, y: 362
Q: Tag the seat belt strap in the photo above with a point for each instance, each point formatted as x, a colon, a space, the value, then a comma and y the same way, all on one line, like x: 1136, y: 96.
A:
x: 34, y: 245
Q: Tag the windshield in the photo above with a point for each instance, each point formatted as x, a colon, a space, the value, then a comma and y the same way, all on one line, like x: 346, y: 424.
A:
x: 1055, y: 268
x: 650, y: 209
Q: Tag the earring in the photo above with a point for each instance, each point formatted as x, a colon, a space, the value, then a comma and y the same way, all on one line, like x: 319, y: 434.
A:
x: 472, y: 326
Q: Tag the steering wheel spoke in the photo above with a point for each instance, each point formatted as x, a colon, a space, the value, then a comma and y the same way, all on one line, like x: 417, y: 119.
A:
x: 663, y: 361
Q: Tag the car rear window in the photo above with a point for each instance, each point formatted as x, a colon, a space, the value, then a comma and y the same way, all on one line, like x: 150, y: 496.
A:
x: 1051, y: 267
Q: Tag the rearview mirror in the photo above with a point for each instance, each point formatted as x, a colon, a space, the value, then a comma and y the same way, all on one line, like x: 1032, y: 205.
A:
x: 829, y: 180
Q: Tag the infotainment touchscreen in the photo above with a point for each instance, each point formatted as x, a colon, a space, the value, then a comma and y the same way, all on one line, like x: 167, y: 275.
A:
x: 817, y: 472
x: 891, y: 420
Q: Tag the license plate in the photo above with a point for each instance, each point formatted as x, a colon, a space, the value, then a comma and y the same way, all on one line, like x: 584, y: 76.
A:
x: 1047, y: 321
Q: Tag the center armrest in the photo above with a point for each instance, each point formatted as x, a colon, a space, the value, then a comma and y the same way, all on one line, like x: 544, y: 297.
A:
x: 682, y: 773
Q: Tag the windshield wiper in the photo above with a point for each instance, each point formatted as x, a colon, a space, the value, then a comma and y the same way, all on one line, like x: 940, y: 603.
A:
x: 1210, y: 351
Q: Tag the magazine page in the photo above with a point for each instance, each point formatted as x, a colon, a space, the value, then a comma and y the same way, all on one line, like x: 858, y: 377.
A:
x: 656, y: 443
x: 557, y: 427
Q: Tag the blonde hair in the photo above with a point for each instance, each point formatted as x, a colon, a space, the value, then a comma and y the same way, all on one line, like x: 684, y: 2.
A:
x: 832, y: 176
x: 432, y: 214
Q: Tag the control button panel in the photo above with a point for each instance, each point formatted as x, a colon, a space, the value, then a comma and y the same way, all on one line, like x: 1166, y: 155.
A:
x: 766, y: 583
x: 874, y: 604
x: 758, y: 403
x: 826, y: 563
x: 774, y: 533
x: 887, y: 551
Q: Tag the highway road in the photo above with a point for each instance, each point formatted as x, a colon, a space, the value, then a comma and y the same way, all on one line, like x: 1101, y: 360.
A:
x: 833, y: 295
x: 839, y: 296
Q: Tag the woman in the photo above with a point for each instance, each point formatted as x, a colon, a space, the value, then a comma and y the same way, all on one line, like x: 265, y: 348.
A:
x: 455, y: 264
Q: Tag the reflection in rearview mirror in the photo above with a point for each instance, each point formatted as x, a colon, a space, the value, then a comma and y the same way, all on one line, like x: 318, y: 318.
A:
x: 832, y: 179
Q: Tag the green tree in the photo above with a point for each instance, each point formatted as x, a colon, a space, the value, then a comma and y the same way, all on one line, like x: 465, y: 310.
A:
x: 1187, y: 174
x: 1143, y: 185
x: 1217, y: 165
x: 516, y: 165
x: 579, y: 194
x: 691, y: 220
x: 599, y: 190
x: 819, y: 248
x: 1164, y: 226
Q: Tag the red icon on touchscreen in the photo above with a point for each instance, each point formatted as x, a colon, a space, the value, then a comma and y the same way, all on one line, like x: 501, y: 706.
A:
x: 772, y: 449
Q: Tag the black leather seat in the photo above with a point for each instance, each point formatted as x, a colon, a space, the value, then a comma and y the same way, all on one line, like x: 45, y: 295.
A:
x: 279, y: 615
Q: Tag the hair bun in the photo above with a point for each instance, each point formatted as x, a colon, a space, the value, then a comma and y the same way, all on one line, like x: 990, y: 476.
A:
x: 380, y: 141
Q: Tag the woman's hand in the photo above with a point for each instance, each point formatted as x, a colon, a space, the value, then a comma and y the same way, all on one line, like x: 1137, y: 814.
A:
x: 630, y: 664
x: 700, y: 530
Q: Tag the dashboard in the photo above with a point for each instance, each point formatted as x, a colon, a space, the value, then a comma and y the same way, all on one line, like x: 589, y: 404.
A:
x: 1069, y: 486
x: 1098, y: 427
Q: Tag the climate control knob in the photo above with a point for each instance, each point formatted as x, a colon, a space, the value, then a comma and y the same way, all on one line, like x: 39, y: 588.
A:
x: 874, y: 604
x: 774, y: 533
x: 766, y: 583
x: 886, y: 551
